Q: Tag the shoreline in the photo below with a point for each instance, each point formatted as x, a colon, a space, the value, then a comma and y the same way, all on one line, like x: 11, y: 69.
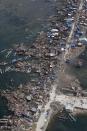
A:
x: 44, y: 53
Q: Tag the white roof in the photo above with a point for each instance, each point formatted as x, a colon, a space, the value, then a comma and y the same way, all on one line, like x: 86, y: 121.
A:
x: 54, y: 30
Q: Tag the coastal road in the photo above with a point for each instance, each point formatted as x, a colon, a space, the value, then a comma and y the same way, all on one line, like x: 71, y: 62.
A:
x: 73, y: 29
x: 44, y: 118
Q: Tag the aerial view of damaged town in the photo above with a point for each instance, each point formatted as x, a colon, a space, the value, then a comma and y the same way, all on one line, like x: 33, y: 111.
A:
x: 43, y: 65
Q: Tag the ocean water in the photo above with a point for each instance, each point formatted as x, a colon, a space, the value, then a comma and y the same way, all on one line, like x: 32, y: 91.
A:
x: 21, y: 20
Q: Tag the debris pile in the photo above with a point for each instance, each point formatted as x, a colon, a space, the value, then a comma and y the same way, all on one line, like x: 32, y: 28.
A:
x: 43, y: 57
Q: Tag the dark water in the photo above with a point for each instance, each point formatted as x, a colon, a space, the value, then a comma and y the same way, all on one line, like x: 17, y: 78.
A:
x: 12, y: 79
x: 81, y: 73
x: 3, y: 107
x: 21, y: 20
x: 67, y: 125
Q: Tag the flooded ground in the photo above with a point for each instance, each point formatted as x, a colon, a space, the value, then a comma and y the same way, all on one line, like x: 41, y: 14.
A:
x: 3, y: 107
x: 81, y: 73
x: 67, y: 125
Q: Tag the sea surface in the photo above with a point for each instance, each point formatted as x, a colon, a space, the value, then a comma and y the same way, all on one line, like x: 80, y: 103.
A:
x: 21, y: 20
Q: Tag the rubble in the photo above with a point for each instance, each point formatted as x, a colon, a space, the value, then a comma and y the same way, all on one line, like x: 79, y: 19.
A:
x: 41, y: 58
